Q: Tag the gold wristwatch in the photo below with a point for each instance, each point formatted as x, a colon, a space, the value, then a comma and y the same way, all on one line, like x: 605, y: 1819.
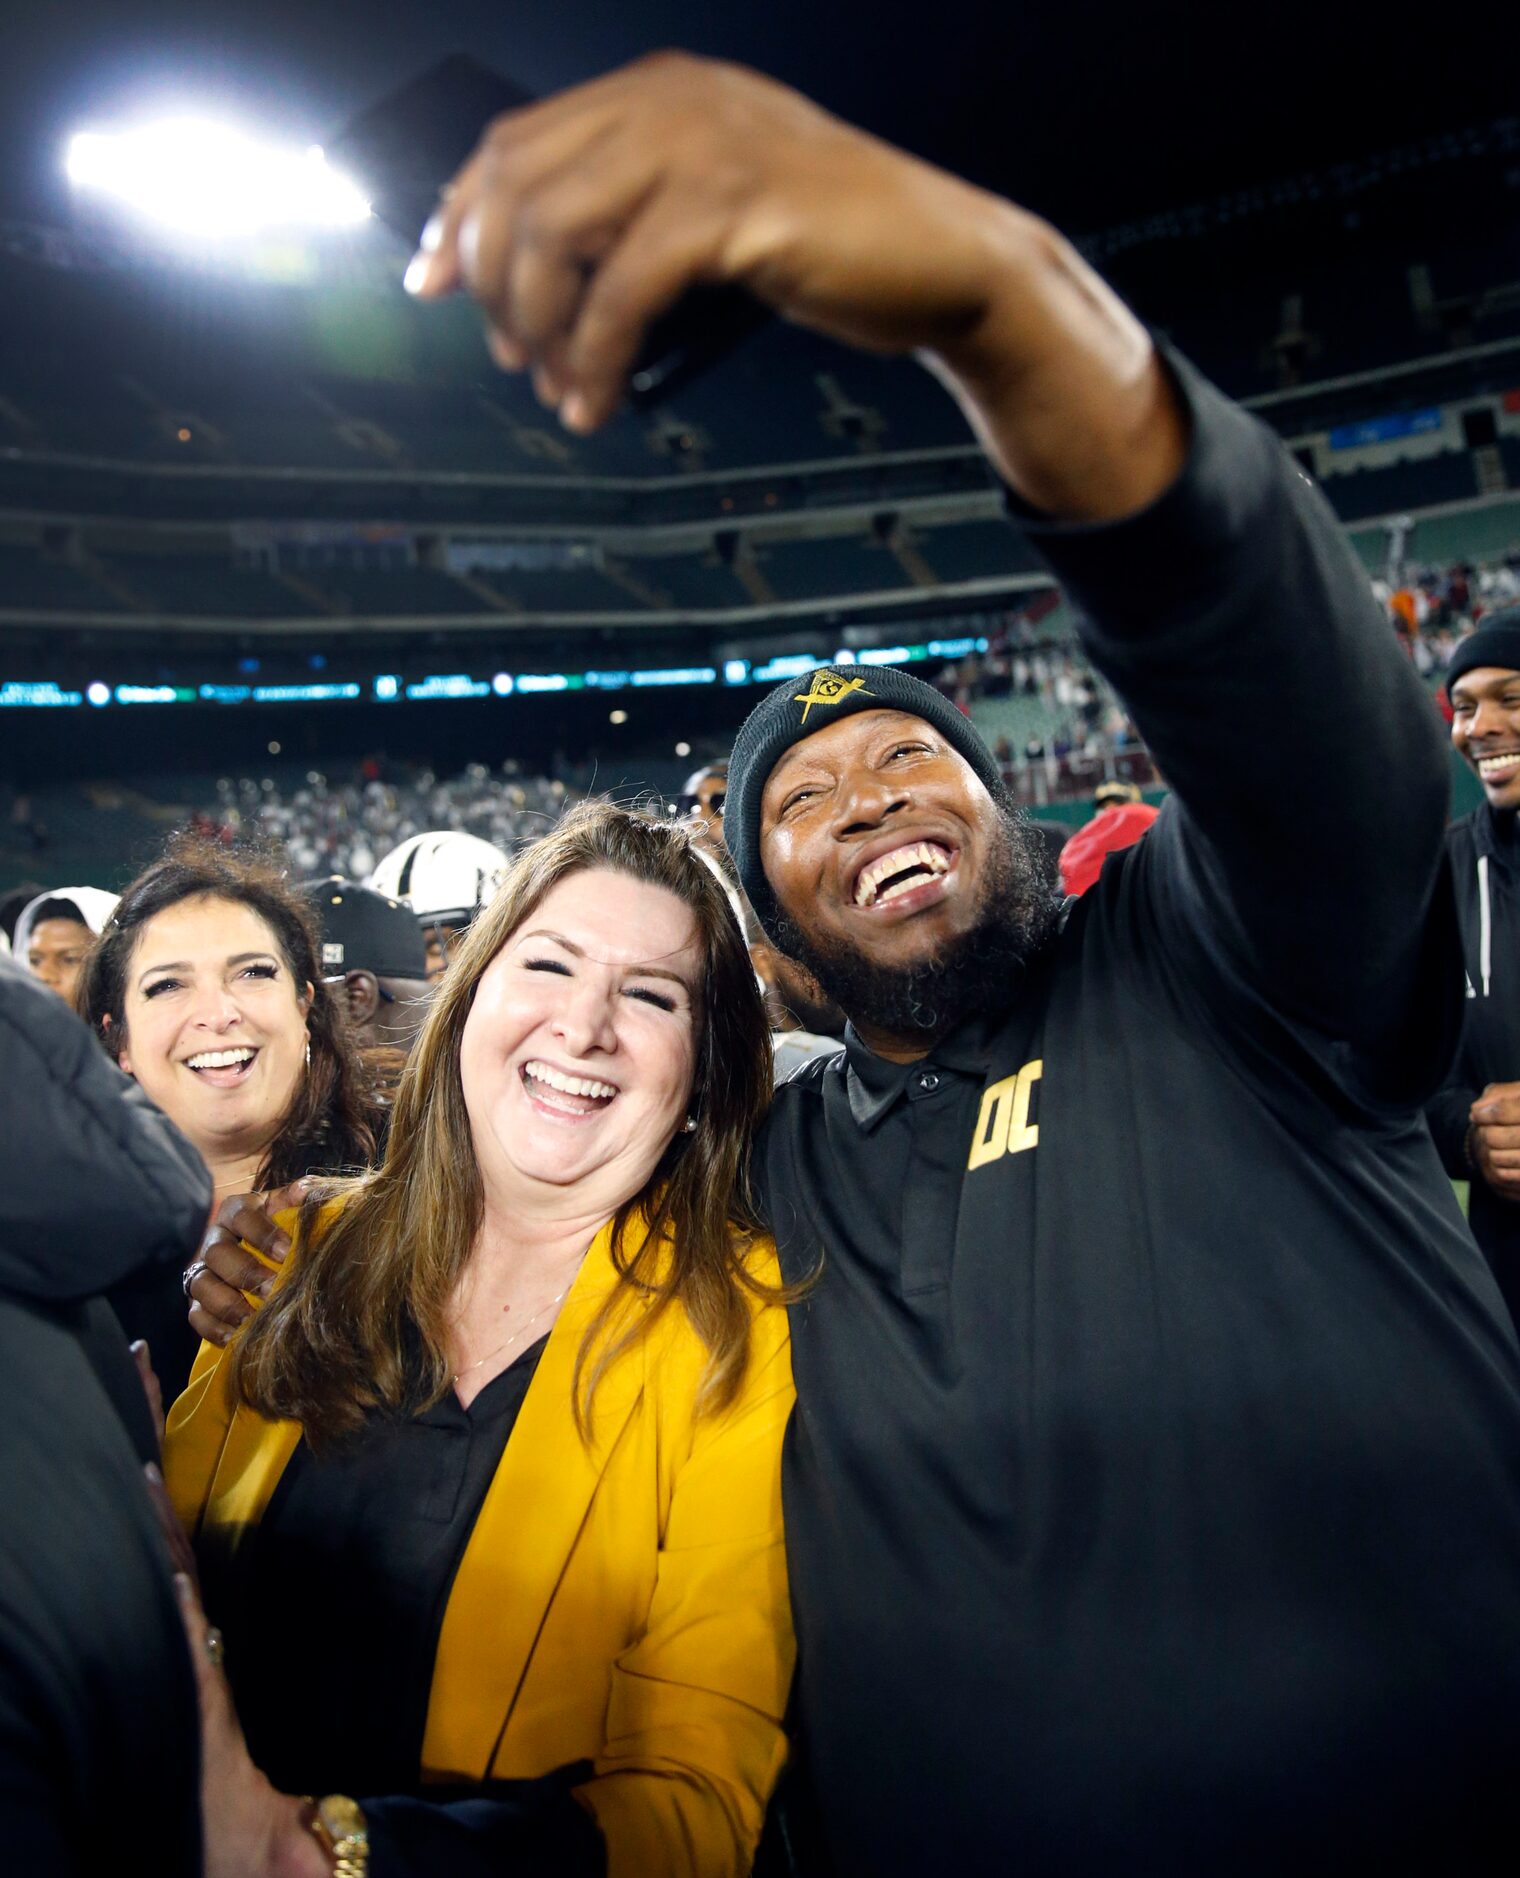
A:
x: 337, y: 1824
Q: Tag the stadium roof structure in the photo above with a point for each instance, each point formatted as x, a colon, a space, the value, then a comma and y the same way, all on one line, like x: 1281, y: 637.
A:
x: 272, y: 442
x: 1091, y: 114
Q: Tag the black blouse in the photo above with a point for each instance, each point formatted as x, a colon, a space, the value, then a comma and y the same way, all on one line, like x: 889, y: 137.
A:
x: 332, y: 1683
x: 332, y: 1610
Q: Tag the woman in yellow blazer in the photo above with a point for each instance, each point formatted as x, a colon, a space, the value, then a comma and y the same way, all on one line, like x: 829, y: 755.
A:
x: 601, y: 1606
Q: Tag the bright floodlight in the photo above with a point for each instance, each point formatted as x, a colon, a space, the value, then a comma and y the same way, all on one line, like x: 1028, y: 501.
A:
x: 210, y: 179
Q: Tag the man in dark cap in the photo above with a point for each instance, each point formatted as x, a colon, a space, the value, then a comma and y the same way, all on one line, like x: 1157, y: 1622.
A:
x: 1153, y: 1495
x: 372, y: 947
x: 1476, y: 1117
x: 1143, y: 1301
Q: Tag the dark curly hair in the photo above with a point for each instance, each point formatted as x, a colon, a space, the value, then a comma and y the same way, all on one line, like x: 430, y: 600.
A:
x: 332, y: 1121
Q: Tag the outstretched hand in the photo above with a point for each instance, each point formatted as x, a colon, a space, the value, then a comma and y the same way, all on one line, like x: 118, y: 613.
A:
x: 581, y: 220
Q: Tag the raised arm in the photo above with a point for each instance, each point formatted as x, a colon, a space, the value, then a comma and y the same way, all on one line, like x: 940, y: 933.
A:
x: 1222, y: 601
x: 1312, y: 775
x: 580, y: 219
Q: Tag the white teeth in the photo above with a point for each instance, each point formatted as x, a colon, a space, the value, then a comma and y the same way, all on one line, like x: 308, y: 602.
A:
x: 570, y: 1085
x: 219, y: 1059
x: 913, y: 854
x: 1490, y: 765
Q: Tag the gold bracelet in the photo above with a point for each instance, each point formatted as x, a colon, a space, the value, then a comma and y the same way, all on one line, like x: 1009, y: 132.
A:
x: 337, y: 1824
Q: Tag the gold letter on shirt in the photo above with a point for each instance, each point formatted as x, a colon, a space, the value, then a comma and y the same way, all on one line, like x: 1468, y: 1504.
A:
x: 990, y: 1142
x: 1022, y: 1133
x: 1003, y: 1126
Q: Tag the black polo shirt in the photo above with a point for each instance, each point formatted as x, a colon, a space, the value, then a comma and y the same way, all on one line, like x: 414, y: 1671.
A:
x: 1153, y: 1494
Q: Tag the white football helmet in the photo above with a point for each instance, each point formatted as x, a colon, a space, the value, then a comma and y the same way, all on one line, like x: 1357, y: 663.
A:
x: 445, y: 876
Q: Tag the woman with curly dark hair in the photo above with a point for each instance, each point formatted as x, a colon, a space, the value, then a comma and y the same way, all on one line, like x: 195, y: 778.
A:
x: 206, y: 987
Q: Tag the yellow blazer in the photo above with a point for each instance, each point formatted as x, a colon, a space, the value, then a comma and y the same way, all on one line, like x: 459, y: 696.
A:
x: 624, y: 1603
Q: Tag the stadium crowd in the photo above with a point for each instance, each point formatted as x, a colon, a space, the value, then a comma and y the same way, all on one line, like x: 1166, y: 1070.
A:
x: 329, y: 826
x: 1065, y: 1424
x: 1072, y: 727
x: 1434, y: 609
x: 341, y: 827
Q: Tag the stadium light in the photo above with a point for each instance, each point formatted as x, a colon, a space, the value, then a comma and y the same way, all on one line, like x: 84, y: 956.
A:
x: 210, y: 179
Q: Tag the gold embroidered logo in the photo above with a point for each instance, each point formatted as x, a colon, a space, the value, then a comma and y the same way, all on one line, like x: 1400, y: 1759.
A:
x: 1004, y: 1127
x: 828, y: 688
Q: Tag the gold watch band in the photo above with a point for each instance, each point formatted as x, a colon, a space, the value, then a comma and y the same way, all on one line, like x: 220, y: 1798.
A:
x: 337, y: 1824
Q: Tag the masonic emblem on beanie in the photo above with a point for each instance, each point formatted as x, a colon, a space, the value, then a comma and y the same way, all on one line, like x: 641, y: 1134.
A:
x: 827, y: 688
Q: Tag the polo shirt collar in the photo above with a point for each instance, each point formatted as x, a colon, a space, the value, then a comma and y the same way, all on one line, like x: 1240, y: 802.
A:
x: 875, y: 1085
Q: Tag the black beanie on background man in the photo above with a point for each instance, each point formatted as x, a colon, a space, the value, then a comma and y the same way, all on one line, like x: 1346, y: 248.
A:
x: 796, y: 709
x: 361, y: 930
x: 1496, y: 643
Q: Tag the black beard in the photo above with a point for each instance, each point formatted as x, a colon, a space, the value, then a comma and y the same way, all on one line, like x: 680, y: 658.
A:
x: 1017, y: 915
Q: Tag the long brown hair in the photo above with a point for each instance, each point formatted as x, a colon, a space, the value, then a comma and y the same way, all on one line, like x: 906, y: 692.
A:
x: 342, y: 1335
x: 329, y: 1126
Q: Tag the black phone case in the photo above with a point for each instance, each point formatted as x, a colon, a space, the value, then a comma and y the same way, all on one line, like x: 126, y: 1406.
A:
x: 403, y: 150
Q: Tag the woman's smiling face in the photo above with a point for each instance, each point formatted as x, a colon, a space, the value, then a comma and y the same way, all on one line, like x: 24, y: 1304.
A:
x: 576, y: 1060
x: 215, y: 1024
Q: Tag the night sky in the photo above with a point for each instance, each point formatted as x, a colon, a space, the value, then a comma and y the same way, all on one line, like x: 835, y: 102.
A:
x: 1089, y: 112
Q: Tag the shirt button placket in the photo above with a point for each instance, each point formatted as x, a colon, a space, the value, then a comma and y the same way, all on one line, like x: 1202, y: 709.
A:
x: 932, y: 1191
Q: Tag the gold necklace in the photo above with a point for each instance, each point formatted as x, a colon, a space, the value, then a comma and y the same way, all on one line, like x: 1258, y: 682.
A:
x: 479, y: 1362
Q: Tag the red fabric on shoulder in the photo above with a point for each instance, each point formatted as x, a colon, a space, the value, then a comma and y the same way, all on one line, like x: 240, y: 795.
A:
x: 1111, y: 829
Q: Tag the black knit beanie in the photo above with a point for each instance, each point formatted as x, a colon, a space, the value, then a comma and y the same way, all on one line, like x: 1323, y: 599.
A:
x: 796, y: 709
x: 1496, y: 642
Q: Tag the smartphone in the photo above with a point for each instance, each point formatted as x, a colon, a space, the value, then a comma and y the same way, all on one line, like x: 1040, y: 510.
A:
x: 403, y: 150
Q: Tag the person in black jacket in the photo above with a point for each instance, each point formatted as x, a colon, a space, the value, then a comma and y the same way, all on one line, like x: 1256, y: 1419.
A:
x: 1153, y: 1493
x: 99, y: 1732
x: 1476, y: 1117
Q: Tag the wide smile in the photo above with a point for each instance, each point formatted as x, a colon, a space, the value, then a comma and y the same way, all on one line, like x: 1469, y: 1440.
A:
x: 562, y: 1096
x: 1498, y: 768
x: 904, y: 878
x: 223, y: 1069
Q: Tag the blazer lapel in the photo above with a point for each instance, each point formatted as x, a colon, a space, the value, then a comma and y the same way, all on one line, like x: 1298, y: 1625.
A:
x: 253, y: 1458
x: 528, y: 1524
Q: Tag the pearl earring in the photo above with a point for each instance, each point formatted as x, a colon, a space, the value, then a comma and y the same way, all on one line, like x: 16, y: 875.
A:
x: 689, y: 1125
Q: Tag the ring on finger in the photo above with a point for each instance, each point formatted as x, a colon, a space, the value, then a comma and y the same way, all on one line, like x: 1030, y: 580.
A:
x: 216, y: 1648
x: 188, y: 1277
